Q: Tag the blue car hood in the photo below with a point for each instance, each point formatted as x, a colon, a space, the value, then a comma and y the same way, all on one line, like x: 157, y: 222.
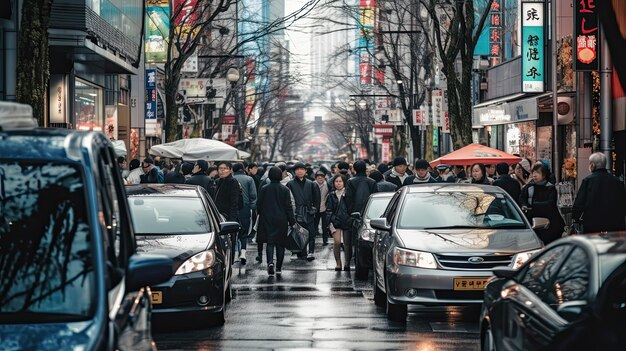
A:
x: 49, y: 336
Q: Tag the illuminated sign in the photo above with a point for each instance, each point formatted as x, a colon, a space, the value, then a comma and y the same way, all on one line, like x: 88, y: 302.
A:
x: 533, y: 41
x: 586, y: 40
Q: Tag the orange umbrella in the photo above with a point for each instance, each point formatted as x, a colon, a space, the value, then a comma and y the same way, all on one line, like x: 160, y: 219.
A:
x: 473, y: 153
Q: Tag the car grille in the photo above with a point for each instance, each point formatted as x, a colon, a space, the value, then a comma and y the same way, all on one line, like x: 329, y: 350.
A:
x: 462, y: 262
x: 459, y: 295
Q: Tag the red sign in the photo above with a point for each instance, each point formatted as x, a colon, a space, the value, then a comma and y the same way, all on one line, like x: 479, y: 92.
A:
x: 495, y: 33
x: 586, y: 35
x: 386, y: 151
x: 384, y: 130
x: 228, y: 119
x: 368, y: 3
x: 365, y: 72
x: 379, y: 75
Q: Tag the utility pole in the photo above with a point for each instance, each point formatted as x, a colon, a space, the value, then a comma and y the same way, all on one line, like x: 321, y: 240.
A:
x: 606, y: 110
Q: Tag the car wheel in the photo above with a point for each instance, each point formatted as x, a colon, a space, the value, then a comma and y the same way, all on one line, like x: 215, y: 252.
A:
x: 488, y: 342
x: 396, y: 312
x: 360, y: 272
x: 228, y: 296
x: 380, y: 298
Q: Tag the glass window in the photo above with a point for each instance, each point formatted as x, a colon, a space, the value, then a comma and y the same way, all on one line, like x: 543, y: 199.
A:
x: 376, y: 207
x: 572, y: 280
x: 46, y: 261
x: 169, y: 215
x: 460, y: 209
x: 88, y: 106
x: 541, y: 270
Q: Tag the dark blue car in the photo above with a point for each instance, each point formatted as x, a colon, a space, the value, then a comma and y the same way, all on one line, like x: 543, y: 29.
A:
x: 69, y: 276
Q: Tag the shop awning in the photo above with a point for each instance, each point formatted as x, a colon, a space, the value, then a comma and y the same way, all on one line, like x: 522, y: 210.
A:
x: 500, y: 100
x: 473, y: 153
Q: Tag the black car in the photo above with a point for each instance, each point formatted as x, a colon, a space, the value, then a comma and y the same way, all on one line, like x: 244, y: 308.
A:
x: 182, y: 222
x: 374, y: 208
x: 69, y: 275
x: 570, y: 296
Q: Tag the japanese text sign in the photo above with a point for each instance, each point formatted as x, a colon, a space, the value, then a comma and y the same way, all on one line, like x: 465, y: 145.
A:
x: 533, y: 40
x: 495, y: 32
x: 586, y: 39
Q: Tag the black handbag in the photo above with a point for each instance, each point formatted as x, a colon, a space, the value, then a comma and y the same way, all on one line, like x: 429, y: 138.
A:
x: 297, y: 238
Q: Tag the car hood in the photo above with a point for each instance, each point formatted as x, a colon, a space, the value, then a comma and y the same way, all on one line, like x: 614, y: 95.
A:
x: 48, y: 336
x: 470, y: 240
x: 177, y: 247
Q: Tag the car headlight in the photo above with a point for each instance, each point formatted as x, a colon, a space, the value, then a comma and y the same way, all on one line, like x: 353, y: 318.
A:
x: 197, y: 262
x: 368, y: 234
x: 414, y: 258
x: 522, y: 257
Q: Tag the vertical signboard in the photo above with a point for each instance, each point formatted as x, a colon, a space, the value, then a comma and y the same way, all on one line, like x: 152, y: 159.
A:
x: 58, y: 98
x: 533, y: 41
x: 157, y: 31
x: 586, y: 40
x: 366, y: 25
x: 187, y: 14
x: 495, y: 32
x: 151, y: 94
x: 437, y: 99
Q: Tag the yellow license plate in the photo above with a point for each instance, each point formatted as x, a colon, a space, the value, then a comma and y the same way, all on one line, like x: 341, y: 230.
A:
x: 156, y: 297
x: 470, y: 283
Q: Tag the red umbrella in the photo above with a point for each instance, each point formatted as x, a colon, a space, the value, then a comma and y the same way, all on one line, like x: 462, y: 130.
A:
x: 473, y: 153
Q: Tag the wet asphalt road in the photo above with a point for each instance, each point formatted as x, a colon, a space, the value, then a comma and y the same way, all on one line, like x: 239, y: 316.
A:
x: 312, y: 307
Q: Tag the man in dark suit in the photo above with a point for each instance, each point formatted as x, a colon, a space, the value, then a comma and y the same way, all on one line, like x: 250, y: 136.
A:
x: 506, y: 182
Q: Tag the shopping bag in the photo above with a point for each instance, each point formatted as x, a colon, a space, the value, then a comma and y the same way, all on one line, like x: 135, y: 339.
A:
x: 297, y: 237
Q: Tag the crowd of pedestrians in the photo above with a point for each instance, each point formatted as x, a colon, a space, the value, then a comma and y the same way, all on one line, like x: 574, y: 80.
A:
x: 268, y: 199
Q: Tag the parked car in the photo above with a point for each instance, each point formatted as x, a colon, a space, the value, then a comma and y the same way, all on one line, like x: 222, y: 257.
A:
x: 374, y: 208
x: 571, y: 296
x: 182, y: 222
x: 437, y: 244
x: 69, y: 275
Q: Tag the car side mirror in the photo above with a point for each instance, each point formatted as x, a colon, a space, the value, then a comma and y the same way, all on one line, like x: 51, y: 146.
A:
x: 380, y: 224
x: 571, y: 310
x: 146, y: 270
x: 505, y: 272
x: 229, y: 228
x: 541, y: 223
x: 355, y: 215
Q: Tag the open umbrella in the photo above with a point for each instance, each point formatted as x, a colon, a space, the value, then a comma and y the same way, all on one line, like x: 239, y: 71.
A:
x: 473, y: 153
x: 199, y: 149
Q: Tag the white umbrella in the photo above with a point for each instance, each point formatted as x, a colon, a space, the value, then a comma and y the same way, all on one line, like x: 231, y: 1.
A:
x: 120, y: 147
x: 199, y: 149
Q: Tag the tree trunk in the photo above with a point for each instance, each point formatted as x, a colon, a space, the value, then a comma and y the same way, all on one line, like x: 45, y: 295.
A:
x: 171, y: 117
x: 416, y: 141
x: 33, y: 61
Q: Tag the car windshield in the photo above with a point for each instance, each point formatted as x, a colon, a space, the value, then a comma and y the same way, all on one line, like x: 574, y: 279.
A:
x: 459, y: 210
x: 169, y: 215
x: 377, y: 207
x: 46, y: 260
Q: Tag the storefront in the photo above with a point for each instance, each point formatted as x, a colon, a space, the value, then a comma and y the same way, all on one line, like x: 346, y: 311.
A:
x: 88, y: 106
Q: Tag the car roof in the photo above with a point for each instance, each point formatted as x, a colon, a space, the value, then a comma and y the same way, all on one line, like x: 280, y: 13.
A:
x: 603, y: 244
x: 388, y: 194
x: 452, y: 187
x: 172, y: 190
x: 48, y: 144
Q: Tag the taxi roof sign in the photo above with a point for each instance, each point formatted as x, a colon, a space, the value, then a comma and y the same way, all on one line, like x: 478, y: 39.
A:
x: 16, y: 116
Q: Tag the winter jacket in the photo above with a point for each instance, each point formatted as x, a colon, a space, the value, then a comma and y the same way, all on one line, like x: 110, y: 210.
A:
x: 601, y: 203
x: 174, y: 177
x: 227, y: 195
x: 200, y: 179
x: 540, y: 201
x: 358, y: 191
x: 385, y: 186
x: 394, y: 178
x: 248, y: 187
x: 306, y: 195
x: 414, y: 179
x: 337, y: 211
x: 275, y: 213
x: 510, y: 185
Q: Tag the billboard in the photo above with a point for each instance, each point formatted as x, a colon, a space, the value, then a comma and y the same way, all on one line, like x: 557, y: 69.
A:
x: 533, y: 42
x: 157, y: 31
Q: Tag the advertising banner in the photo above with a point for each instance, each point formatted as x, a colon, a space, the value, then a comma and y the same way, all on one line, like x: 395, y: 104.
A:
x: 386, y: 150
x: 437, y: 100
x: 586, y: 39
x: 533, y: 42
x: 157, y: 32
x: 191, y: 64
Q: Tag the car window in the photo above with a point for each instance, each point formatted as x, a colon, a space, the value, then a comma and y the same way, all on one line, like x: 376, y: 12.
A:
x: 460, y: 209
x: 46, y: 258
x: 376, y: 207
x: 540, y: 271
x: 391, y: 207
x: 169, y: 215
x: 572, y: 280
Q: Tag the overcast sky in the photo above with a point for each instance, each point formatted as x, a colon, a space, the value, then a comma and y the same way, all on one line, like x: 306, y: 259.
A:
x: 299, y: 43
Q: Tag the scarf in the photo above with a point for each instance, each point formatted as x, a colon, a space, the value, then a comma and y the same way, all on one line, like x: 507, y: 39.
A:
x: 402, y: 177
x: 340, y: 193
x: 419, y: 179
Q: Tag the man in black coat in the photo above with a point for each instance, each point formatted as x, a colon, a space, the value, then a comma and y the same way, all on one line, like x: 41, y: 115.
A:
x: 398, y: 174
x: 359, y: 188
x: 199, y: 176
x: 422, y: 175
x: 227, y: 192
x: 601, y: 199
x: 506, y: 182
x: 381, y: 184
x: 306, y: 195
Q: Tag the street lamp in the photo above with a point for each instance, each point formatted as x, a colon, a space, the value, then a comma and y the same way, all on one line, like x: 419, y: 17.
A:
x: 352, y: 102
x: 232, y: 75
x: 362, y: 104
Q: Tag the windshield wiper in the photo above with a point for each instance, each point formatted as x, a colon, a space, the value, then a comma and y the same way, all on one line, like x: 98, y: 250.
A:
x: 455, y: 227
x: 40, y: 317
